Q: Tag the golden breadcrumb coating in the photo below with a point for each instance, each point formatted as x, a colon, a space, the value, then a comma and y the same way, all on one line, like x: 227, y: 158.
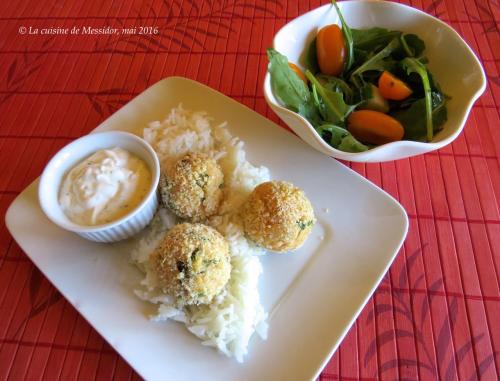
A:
x: 192, y: 263
x: 190, y: 187
x: 278, y: 216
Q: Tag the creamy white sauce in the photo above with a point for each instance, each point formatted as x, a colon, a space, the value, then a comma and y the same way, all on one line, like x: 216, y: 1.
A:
x: 104, y: 187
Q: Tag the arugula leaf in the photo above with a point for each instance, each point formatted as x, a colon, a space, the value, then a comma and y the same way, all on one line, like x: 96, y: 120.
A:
x: 374, y: 63
x: 336, y: 84
x: 350, y: 144
x: 413, y: 118
x: 286, y: 85
x: 311, y: 59
x: 412, y: 65
x: 412, y: 45
x: 340, y: 138
x: 330, y: 103
x: 289, y: 88
x: 373, y: 39
x: 346, y: 31
x: 360, y: 56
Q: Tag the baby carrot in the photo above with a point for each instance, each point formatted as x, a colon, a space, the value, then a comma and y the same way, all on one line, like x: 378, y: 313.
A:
x: 374, y: 127
x: 393, y: 88
x: 330, y: 50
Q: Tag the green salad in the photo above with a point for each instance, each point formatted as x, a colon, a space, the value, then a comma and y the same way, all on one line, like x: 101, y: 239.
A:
x: 362, y: 87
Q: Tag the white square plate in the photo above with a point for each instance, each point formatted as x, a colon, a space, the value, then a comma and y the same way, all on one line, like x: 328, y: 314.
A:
x: 313, y: 295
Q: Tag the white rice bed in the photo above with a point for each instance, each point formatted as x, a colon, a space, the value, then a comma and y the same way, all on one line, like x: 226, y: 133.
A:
x: 230, y: 320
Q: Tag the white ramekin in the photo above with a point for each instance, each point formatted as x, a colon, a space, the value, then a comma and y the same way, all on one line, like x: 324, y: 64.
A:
x: 72, y: 154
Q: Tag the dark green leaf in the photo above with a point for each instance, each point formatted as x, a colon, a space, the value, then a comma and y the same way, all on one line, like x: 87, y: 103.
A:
x: 360, y: 56
x: 376, y: 62
x: 332, y: 134
x: 412, y: 65
x: 350, y: 144
x: 286, y: 85
x: 318, y: 102
x: 346, y: 31
x: 413, y: 45
x: 311, y: 59
x: 289, y: 88
x: 331, y: 104
x: 372, y: 39
x: 340, y: 138
x: 337, y: 85
x: 414, y: 118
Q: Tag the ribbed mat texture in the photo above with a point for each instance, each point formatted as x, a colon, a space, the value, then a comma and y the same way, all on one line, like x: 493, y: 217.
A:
x: 434, y: 316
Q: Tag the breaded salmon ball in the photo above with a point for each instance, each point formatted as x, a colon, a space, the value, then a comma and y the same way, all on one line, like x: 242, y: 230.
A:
x: 192, y: 263
x: 190, y: 187
x: 278, y: 216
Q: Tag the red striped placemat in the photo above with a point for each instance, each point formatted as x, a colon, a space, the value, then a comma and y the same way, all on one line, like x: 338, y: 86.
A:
x: 433, y: 316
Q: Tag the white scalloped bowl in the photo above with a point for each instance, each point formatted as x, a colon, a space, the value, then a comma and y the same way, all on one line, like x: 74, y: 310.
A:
x: 452, y: 63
